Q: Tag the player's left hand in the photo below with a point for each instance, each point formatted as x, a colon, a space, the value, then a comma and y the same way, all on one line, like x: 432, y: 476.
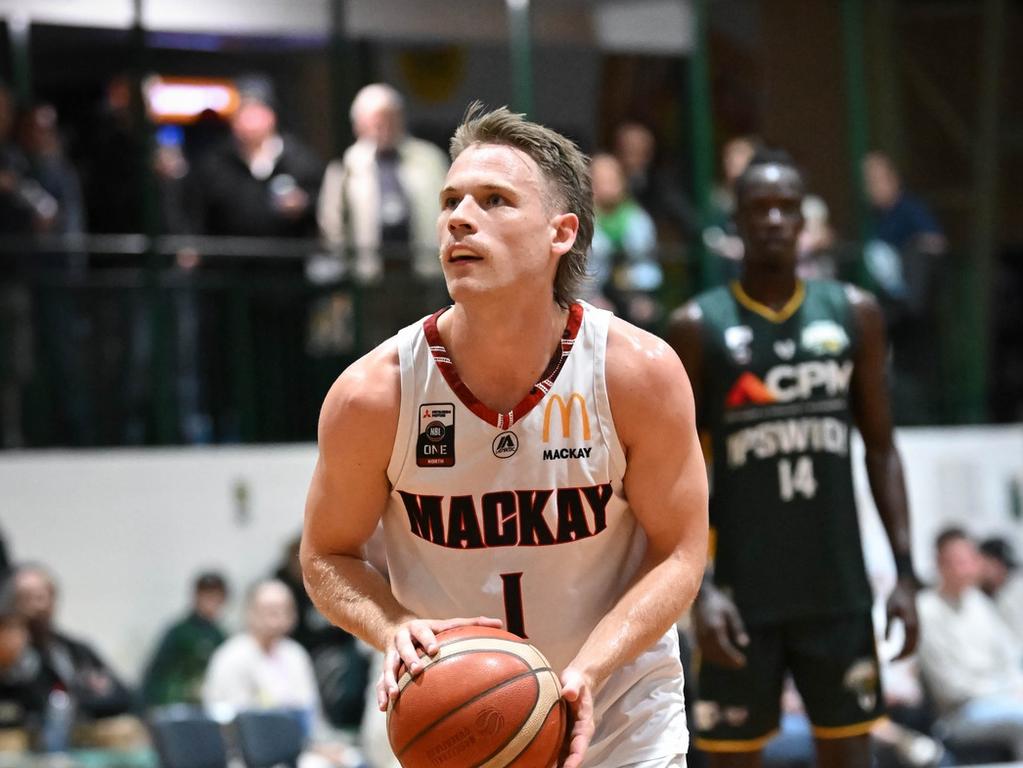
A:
x: 902, y: 606
x: 577, y: 691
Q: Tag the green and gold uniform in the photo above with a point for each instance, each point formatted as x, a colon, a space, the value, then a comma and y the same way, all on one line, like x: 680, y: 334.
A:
x: 775, y: 402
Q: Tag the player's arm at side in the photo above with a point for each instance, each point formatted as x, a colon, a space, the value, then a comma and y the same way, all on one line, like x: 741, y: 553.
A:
x: 872, y: 411
x: 666, y: 486
x: 347, y: 496
x: 719, y: 627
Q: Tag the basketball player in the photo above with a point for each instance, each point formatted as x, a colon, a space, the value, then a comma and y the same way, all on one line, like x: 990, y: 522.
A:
x: 781, y: 368
x: 534, y: 461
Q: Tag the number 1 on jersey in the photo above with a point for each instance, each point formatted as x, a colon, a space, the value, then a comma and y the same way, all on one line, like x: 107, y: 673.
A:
x: 514, y: 618
x: 799, y: 480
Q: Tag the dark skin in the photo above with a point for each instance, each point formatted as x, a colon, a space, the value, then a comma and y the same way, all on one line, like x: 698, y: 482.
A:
x: 769, y: 219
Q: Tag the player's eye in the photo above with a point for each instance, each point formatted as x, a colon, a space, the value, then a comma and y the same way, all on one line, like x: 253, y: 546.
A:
x: 495, y: 199
x: 449, y: 203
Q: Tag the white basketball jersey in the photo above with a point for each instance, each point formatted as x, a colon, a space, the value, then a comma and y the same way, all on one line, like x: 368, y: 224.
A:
x: 522, y: 516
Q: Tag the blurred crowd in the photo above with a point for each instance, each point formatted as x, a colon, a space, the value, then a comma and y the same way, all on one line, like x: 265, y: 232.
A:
x: 367, y: 216
x: 958, y: 701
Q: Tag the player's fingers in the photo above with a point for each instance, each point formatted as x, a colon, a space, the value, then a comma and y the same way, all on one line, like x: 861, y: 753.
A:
x: 407, y: 650
x: 382, y: 695
x: 738, y: 628
x: 389, y: 675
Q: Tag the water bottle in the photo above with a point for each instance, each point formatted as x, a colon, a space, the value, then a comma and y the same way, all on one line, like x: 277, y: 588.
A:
x: 58, y: 723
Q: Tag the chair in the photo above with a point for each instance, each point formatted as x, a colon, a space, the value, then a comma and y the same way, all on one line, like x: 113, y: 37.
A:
x: 189, y: 741
x: 270, y: 737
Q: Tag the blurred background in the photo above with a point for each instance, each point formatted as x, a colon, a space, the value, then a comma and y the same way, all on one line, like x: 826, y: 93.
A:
x: 188, y: 258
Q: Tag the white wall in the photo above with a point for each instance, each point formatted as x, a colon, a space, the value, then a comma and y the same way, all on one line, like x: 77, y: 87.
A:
x: 125, y: 531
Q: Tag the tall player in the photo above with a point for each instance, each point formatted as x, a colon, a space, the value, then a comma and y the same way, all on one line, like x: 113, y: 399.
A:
x: 532, y: 459
x: 781, y: 369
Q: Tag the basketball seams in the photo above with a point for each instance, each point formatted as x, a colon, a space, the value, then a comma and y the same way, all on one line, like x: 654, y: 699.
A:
x: 531, y: 728
x: 524, y: 651
x: 477, y: 697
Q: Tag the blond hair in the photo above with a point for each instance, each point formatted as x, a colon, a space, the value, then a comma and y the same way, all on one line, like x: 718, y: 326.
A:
x: 563, y: 166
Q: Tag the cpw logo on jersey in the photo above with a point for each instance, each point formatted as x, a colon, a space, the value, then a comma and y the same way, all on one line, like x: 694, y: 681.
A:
x: 789, y: 383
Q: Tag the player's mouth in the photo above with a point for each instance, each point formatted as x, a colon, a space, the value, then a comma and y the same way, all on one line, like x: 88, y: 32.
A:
x: 459, y: 254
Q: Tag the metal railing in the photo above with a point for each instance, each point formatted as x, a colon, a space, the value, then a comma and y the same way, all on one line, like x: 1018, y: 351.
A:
x: 126, y: 340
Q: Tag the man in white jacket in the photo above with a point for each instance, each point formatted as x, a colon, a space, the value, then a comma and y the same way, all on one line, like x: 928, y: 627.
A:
x: 380, y: 198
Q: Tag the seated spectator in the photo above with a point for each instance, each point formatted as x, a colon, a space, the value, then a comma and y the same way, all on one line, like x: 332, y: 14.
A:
x: 70, y: 667
x: 263, y: 668
x: 261, y: 182
x: 624, y: 250
x: 341, y: 666
x: 22, y: 698
x: 1002, y: 582
x: 971, y: 662
x: 41, y: 142
x: 175, y: 673
x: 720, y: 235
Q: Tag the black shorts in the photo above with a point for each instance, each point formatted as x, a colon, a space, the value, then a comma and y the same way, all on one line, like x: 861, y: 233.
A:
x: 833, y: 661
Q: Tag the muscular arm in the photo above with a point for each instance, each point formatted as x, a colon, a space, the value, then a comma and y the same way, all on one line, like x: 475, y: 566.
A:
x: 872, y: 412
x: 666, y: 485
x: 347, y: 496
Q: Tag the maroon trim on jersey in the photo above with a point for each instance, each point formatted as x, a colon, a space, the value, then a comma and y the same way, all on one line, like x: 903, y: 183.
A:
x: 536, y: 392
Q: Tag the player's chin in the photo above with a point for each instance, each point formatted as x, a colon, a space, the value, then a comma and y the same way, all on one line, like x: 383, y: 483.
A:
x: 465, y: 287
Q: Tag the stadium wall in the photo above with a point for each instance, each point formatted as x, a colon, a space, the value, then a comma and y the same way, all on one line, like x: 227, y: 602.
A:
x: 125, y: 531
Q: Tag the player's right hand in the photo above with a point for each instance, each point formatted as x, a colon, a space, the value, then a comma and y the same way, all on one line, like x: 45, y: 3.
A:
x: 407, y: 644
x: 719, y: 628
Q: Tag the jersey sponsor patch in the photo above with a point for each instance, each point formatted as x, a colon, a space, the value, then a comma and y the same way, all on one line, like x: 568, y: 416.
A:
x: 505, y: 445
x: 825, y: 337
x: 739, y: 340
x: 436, y: 444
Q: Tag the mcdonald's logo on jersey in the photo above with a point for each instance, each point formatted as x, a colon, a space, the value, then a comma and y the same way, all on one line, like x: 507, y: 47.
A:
x: 565, y: 410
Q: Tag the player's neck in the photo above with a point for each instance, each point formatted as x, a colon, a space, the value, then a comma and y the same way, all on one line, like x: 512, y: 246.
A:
x: 772, y: 288
x: 501, y: 350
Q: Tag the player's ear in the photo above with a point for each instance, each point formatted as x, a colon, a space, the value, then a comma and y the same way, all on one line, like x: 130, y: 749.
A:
x: 564, y: 228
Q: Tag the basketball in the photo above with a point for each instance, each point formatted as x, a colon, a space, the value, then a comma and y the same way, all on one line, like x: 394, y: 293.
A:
x: 487, y: 698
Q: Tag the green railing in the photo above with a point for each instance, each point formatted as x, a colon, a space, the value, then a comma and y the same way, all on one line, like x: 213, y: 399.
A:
x: 110, y: 341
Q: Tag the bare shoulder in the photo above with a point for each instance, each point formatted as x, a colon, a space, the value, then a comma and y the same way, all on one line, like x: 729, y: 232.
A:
x: 866, y: 309
x: 645, y: 378
x: 364, y: 401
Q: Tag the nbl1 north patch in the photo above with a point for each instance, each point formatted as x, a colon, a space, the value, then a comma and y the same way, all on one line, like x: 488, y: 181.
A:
x: 436, y: 444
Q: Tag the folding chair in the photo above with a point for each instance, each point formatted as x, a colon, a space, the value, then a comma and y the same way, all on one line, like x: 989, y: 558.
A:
x: 269, y: 738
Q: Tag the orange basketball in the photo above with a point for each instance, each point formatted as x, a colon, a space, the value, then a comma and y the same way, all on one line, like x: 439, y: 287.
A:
x: 487, y: 698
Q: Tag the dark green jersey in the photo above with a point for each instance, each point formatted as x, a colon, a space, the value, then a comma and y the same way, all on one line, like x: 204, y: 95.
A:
x: 775, y: 400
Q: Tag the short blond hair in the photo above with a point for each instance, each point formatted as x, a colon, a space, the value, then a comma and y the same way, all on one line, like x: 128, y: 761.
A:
x: 565, y: 170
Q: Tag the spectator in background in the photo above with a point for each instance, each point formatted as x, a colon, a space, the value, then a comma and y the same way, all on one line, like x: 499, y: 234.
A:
x: 67, y: 665
x: 22, y: 698
x: 48, y: 165
x: 655, y: 189
x: 624, y: 250
x: 261, y: 182
x: 1002, y: 582
x: 381, y: 198
x: 176, y: 671
x: 720, y: 234
x: 900, y: 219
x: 262, y: 668
x: 971, y: 662
x: 341, y: 668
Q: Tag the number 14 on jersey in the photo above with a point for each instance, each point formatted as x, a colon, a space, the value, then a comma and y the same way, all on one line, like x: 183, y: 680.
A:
x: 796, y: 478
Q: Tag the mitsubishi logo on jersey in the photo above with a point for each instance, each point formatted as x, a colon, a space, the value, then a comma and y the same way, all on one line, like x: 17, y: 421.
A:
x: 787, y: 383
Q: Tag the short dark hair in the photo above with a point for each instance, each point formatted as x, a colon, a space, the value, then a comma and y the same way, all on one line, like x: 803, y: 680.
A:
x: 764, y: 156
x: 564, y: 168
x: 210, y: 581
x: 8, y: 601
x: 999, y: 549
x: 948, y: 535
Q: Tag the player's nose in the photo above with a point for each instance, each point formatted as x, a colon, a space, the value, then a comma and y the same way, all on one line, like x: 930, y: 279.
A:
x: 462, y: 217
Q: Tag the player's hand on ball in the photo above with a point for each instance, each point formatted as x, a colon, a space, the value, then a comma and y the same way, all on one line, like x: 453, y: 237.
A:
x: 410, y: 640
x: 577, y: 691
x: 719, y: 628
